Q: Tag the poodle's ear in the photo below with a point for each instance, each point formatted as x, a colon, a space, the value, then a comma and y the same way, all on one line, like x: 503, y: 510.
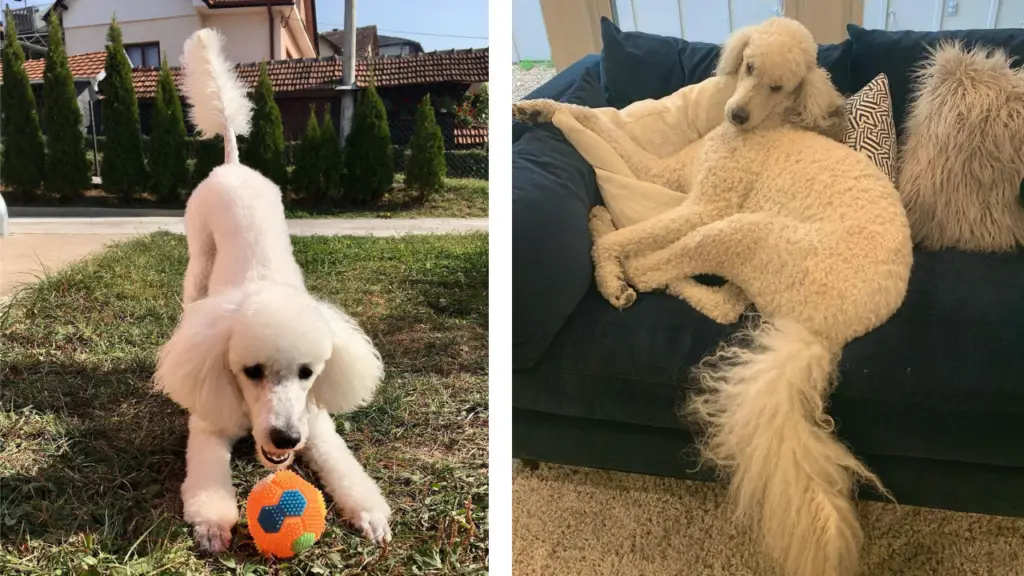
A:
x: 819, y: 107
x: 354, y: 370
x: 192, y: 368
x: 731, y: 56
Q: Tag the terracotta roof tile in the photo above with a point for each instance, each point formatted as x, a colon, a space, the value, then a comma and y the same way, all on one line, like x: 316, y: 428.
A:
x: 462, y: 66
x: 366, y: 40
x: 85, y: 65
x: 471, y: 135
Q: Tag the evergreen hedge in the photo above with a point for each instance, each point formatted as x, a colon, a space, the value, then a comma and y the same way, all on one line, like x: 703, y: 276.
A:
x: 23, y: 161
x: 332, y: 161
x: 425, y: 171
x: 369, y: 161
x: 123, y: 169
x: 67, y: 168
x: 209, y: 153
x: 168, y: 151
x: 307, y: 176
x: 264, y: 149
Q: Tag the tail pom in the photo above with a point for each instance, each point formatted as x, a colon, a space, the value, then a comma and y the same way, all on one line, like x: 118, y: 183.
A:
x: 762, y: 405
x: 218, y: 98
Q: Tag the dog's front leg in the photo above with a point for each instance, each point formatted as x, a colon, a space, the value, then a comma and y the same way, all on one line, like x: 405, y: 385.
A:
x: 347, y: 482
x: 207, y: 493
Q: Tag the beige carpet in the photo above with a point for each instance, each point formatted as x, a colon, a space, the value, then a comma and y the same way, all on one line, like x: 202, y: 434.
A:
x: 570, y: 522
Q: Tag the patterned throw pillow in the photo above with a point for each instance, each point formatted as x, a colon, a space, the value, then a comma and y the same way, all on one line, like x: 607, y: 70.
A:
x: 869, y: 126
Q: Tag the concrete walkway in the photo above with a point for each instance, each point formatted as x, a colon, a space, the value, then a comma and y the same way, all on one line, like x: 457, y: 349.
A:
x: 37, y: 246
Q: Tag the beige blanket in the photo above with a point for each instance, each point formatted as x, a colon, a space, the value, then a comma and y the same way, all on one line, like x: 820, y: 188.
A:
x: 661, y: 127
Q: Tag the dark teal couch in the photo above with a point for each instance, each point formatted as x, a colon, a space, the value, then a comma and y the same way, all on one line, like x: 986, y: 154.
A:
x: 933, y: 400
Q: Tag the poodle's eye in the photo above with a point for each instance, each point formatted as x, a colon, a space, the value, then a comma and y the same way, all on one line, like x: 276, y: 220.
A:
x: 305, y: 372
x: 254, y: 372
x: 775, y: 88
x: 750, y: 67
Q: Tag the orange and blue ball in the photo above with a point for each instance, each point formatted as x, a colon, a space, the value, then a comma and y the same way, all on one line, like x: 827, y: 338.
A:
x: 286, y: 514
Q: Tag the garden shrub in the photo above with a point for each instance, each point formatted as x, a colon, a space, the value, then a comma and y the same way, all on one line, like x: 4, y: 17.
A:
x: 332, y: 161
x: 123, y: 169
x: 369, y: 165
x: 23, y: 160
x: 263, y: 150
x: 425, y: 170
x: 168, y: 151
x: 67, y: 168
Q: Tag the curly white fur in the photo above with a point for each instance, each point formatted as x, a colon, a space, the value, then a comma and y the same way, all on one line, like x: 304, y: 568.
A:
x: 813, y: 235
x: 253, y: 349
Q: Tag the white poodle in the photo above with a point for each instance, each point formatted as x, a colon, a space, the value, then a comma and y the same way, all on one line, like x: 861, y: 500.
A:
x: 254, y: 351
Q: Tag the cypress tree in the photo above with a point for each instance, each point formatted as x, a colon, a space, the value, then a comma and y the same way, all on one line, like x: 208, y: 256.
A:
x: 306, y: 176
x: 332, y: 160
x: 168, y: 155
x: 209, y: 155
x: 123, y: 168
x: 369, y: 158
x: 426, y: 169
x: 24, y: 154
x: 264, y: 149
x: 67, y: 167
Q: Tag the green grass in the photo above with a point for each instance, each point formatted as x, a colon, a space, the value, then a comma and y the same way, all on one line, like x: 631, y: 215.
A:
x: 460, y: 198
x: 531, y: 64
x: 91, y: 460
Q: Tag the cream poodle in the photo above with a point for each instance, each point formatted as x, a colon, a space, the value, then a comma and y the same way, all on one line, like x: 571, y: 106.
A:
x: 254, y: 351
x: 815, y: 236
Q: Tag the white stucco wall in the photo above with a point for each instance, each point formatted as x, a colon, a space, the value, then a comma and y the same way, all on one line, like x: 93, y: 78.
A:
x: 171, y: 33
x: 246, y: 33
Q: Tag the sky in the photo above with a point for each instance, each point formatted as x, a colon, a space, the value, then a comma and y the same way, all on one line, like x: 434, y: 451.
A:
x: 436, y: 24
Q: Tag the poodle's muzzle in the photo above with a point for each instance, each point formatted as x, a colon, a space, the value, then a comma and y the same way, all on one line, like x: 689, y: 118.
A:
x: 739, y: 116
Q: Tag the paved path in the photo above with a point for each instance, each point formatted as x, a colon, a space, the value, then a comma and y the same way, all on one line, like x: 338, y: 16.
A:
x: 324, y: 226
x: 40, y: 245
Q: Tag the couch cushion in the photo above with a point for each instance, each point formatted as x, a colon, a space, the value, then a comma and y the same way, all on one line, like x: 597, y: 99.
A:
x: 898, y: 53
x: 636, y: 65
x: 941, y: 379
x: 553, y: 190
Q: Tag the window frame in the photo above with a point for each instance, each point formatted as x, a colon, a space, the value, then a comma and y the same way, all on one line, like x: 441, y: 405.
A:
x: 142, y: 46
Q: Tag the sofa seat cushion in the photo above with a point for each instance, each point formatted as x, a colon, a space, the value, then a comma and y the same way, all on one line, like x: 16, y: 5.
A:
x: 943, y: 379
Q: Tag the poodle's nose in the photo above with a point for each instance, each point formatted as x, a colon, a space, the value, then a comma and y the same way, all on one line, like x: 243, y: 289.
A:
x: 284, y: 439
x: 740, y: 116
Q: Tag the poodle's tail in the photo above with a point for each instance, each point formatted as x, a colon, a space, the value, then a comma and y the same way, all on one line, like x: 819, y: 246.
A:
x: 219, y: 102
x: 762, y: 403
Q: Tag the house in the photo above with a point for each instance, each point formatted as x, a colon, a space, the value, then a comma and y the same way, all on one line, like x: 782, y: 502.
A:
x: 32, y: 30
x: 401, y: 82
x: 395, y: 46
x: 254, y: 30
x: 332, y: 41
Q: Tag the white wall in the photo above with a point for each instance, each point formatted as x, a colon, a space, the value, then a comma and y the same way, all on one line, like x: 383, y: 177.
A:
x: 170, y: 32
x: 93, y: 12
x: 246, y: 33
x: 696, y: 20
x: 932, y: 15
x: 529, y: 36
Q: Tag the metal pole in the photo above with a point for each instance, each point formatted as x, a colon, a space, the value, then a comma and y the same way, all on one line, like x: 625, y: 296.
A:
x: 348, y: 71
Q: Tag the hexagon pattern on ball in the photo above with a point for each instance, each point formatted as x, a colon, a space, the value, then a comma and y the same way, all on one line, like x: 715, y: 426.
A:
x: 286, y: 514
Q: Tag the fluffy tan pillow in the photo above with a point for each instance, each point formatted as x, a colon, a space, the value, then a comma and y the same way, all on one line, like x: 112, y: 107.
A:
x: 963, y: 159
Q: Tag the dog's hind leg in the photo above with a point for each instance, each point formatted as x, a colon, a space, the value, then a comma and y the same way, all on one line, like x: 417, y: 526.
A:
x: 613, y: 249
x: 202, y: 252
x: 356, y: 493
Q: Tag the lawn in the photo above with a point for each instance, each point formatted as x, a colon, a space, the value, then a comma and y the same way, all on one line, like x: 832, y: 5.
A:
x: 460, y: 198
x: 91, y: 460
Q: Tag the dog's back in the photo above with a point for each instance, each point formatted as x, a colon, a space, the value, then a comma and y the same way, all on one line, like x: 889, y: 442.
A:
x: 234, y: 220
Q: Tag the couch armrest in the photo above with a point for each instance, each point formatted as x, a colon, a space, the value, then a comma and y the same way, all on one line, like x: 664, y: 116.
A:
x: 558, y: 87
x: 553, y: 190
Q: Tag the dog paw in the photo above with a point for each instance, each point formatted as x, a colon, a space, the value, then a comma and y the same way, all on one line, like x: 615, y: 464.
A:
x: 534, y: 111
x: 622, y: 297
x: 212, y: 538
x: 600, y: 222
x: 374, y: 525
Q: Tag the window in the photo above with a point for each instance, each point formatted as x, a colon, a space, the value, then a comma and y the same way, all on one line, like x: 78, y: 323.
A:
x: 145, y: 55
